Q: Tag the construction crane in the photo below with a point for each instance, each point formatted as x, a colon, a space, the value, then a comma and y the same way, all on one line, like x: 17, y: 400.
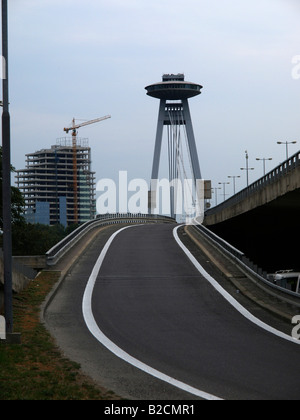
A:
x: 74, y: 130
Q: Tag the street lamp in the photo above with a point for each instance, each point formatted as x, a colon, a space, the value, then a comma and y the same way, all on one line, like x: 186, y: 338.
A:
x: 224, y: 191
x: 247, y: 167
x: 6, y: 179
x: 287, y: 146
x: 264, y: 160
x: 234, y: 177
x: 215, y: 190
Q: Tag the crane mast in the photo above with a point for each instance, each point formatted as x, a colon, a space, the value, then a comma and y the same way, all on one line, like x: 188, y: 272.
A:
x: 74, y: 129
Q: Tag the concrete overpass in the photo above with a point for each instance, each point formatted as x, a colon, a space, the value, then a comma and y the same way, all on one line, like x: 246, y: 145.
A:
x: 263, y: 219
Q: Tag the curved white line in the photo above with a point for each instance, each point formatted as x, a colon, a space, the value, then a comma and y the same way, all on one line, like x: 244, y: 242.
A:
x: 105, y: 341
x: 228, y: 297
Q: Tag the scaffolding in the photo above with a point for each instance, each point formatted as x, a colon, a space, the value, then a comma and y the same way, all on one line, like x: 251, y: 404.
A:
x: 48, y: 178
x: 67, y: 142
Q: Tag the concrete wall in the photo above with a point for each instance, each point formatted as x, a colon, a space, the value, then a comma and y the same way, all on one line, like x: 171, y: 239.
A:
x: 38, y: 262
x: 20, y: 281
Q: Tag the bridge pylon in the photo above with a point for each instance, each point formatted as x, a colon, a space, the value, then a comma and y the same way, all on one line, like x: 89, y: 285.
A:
x: 174, y: 114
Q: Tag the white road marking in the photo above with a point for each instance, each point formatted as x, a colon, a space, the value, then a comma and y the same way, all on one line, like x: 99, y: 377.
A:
x: 105, y: 341
x: 228, y: 297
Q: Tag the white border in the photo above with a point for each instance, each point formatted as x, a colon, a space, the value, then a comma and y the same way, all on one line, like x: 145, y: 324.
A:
x: 97, y: 333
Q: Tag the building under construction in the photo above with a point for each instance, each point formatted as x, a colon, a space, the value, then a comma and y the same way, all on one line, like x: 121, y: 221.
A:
x: 47, y: 184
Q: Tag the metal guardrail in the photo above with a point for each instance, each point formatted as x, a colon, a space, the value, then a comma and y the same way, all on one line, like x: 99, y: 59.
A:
x: 279, y: 172
x: 60, y: 249
x: 243, y: 262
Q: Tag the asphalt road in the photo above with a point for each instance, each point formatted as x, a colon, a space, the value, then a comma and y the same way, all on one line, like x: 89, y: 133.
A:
x: 152, y: 303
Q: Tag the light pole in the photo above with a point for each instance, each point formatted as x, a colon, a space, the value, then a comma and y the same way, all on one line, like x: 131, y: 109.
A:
x: 215, y: 190
x: 224, y: 188
x: 6, y: 179
x: 234, y: 177
x: 247, y: 169
x: 264, y: 161
x: 287, y: 146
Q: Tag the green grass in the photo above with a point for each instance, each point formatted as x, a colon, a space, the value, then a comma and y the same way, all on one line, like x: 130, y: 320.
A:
x: 36, y: 370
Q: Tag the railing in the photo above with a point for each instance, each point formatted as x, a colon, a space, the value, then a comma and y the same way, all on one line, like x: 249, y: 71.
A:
x: 242, y: 261
x: 59, y: 250
x: 279, y: 172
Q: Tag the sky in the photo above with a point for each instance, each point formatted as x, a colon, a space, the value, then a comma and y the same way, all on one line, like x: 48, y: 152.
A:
x: 85, y: 59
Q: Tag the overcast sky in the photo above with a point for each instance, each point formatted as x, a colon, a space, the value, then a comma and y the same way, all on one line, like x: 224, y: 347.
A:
x: 89, y: 58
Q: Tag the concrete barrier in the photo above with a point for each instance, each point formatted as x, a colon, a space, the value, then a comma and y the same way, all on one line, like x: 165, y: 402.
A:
x: 19, y: 280
x: 36, y: 262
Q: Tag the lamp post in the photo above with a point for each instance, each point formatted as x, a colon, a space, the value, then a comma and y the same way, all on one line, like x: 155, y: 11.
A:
x: 264, y: 161
x: 224, y: 188
x: 6, y: 179
x: 234, y: 177
x: 215, y: 190
x: 287, y: 143
x: 247, y: 169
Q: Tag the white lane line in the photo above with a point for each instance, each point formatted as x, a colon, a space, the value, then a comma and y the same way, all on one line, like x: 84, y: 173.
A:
x: 228, y: 297
x: 105, y: 341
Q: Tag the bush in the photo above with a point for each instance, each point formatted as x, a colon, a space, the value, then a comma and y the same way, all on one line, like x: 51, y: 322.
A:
x: 29, y: 239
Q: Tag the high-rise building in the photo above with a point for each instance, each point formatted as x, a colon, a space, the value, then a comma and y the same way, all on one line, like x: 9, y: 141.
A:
x: 47, y: 184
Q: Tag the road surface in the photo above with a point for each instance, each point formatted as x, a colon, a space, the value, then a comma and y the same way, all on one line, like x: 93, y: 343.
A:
x: 152, y: 303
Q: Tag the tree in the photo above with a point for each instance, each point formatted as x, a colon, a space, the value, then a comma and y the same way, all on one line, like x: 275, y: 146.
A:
x: 17, y: 200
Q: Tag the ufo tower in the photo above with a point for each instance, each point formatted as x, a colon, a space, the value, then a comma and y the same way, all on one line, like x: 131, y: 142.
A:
x: 174, y: 115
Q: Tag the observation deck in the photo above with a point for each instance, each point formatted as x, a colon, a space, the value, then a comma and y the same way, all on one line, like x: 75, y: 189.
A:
x: 174, y: 87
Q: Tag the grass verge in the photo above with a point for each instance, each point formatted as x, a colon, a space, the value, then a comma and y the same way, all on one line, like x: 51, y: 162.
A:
x: 36, y: 369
